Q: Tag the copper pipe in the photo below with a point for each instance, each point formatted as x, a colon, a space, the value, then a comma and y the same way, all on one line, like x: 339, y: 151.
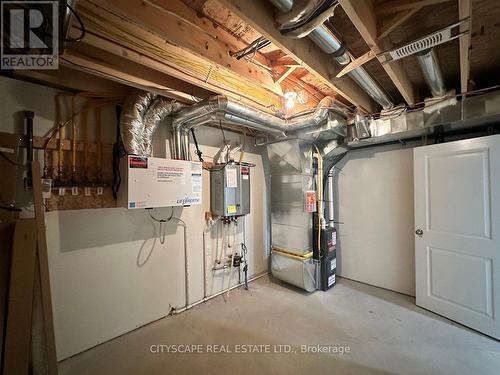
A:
x: 73, y: 141
x: 85, y: 145
x: 60, y: 132
x: 98, y: 143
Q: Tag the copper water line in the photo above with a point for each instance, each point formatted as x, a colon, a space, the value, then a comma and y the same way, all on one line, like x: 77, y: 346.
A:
x: 61, y: 133
x: 73, y: 141
x: 85, y: 145
x: 98, y: 142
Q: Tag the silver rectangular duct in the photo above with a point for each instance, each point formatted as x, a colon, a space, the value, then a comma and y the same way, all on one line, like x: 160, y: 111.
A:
x: 290, y: 164
x: 450, y: 114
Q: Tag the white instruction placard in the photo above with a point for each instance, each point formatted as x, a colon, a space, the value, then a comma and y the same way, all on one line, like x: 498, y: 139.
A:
x: 171, y: 174
x: 196, y: 183
x: 231, y: 177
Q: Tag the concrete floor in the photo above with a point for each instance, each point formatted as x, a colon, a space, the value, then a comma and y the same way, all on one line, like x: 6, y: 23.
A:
x: 385, y: 331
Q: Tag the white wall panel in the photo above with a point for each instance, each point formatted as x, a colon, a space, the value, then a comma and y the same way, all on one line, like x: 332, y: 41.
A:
x: 103, y: 283
x: 375, y: 203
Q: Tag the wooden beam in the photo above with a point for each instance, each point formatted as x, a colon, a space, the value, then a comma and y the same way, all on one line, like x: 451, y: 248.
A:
x: 119, y: 69
x: 396, y: 21
x: 178, y: 24
x: 109, y: 32
x: 464, y: 11
x: 396, y: 6
x: 357, y: 62
x: 260, y: 15
x: 362, y: 15
x: 289, y: 70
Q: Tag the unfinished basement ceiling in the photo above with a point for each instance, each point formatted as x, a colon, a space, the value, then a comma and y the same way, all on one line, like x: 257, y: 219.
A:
x: 485, y: 53
x: 184, y: 49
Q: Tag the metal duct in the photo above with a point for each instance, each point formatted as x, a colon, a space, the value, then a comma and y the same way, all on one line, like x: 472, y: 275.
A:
x: 221, y: 108
x: 429, y: 64
x: 329, y: 43
x: 283, y: 5
x: 290, y: 164
x: 140, y: 117
x: 325, y: 40
x: 449, y: 115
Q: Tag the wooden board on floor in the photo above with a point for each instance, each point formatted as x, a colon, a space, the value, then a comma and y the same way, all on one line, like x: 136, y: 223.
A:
x: 20, y: 301
x: 43, y: 267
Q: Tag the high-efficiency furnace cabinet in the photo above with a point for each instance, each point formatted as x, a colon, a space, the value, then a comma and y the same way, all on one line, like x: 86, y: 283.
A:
x: 230, y: 189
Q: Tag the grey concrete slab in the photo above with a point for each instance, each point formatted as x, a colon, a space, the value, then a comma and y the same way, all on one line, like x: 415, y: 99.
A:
x: 385, y: 332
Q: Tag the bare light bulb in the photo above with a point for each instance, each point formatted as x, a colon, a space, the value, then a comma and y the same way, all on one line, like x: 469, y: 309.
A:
x: 290, y: 97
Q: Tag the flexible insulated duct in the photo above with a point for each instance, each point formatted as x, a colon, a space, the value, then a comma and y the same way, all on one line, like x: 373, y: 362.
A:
x: 140, y: 117
x: 131, y: 122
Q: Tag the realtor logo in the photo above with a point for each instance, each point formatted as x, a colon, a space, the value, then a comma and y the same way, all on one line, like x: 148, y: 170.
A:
x: 29, y: 37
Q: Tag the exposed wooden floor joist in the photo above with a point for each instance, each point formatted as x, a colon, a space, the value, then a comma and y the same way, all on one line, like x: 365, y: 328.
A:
x: 112, y: 33
x: 362, y: 15
x: 260, y: 15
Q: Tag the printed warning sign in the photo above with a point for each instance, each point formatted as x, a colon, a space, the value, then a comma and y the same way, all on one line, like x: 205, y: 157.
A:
x: 310, y: 201
x: 170, y: 174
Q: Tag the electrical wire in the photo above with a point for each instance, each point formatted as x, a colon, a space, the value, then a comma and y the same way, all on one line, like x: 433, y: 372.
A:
x: 161, y: 221
x: 83, y: 30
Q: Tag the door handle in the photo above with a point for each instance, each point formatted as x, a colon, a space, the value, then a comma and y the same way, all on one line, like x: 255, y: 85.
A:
x: 419, y: 232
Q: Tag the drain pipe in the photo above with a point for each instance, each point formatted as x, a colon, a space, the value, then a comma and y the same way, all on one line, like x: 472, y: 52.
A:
x: 324, y: 39
x: 429, y: 64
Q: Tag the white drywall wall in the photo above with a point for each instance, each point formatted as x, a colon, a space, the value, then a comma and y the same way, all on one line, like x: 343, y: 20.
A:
x: 103, y: 283
x: 375, y: 204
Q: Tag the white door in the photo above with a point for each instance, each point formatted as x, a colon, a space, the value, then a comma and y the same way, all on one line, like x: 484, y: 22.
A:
x: 457, y: 231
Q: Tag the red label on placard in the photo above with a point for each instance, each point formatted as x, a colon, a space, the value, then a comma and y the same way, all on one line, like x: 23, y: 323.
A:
x: 310, y: 201
x: 138, y: 162
x: 245, y: 170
